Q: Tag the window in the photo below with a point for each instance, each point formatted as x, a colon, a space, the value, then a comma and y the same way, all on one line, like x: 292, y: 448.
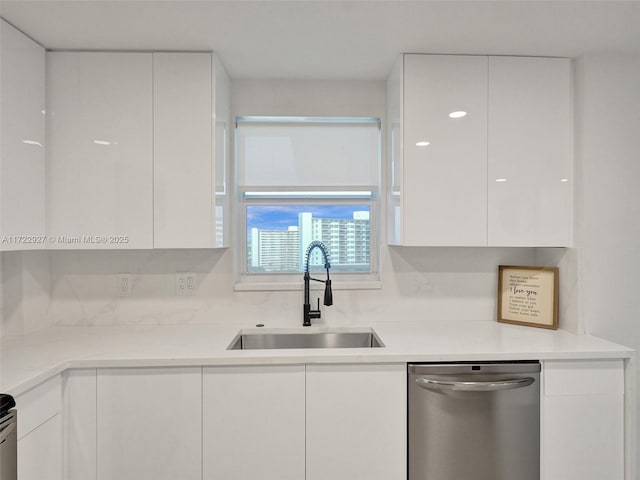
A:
x: 305, y: 179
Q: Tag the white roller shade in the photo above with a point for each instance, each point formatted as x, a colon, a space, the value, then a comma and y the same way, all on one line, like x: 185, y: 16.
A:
x: 308, y: 153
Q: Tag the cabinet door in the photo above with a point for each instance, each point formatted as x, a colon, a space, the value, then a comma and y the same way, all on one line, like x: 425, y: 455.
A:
x: 253, y: 422
x: 79, y: 428
x: 394, y: 153
x: 444, y: 183
x: 22, y: 169
x: 149, y: 424
x: 356, y: 422
x: 37, y: 405
x: 222, y: 103
x: 40, y: 452
x: 530, y: 180
x: 39, y: 432
x: 183, y: 159
x: 583, y: 420
x: 99, y: 139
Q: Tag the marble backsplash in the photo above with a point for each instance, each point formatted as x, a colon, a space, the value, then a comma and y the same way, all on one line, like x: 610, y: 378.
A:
x: 25, y: 292
x: 81, y: 288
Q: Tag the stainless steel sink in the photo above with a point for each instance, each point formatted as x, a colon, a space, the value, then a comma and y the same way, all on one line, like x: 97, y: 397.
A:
x: 313, y: 339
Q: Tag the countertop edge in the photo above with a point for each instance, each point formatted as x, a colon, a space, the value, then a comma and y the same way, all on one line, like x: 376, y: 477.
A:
x: 306, y: 358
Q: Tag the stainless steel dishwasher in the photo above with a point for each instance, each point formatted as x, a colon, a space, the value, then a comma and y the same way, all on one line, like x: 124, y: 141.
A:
x: 474, y: 421
x: 8, y: 439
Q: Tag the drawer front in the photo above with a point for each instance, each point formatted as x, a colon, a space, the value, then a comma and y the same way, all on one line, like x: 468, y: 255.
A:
x: 38, y: 405
x: 583, y: 377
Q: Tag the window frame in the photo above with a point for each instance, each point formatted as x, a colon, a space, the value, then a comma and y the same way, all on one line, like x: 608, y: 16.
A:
x: 319, y: 195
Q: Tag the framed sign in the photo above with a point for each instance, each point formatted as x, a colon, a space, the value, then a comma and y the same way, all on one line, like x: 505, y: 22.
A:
x: 528, y: 296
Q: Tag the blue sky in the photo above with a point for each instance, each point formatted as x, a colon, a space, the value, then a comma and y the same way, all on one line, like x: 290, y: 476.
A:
x: 278, y: 217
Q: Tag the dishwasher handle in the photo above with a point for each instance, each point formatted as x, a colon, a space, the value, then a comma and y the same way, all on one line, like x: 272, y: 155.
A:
x: 4, y: 433
x: 433, y: 384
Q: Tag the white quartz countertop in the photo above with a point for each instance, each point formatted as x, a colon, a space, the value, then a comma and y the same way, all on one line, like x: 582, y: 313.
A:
x: 27, y: 360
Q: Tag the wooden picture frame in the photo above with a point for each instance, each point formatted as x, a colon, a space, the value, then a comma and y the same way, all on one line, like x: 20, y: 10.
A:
x: 528, y: 296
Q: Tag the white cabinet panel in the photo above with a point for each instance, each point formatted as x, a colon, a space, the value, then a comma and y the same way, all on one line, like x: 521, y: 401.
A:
x: 40, y: 452
x: 395, y: 150
x: 498, y: 175
x: 584, y: 377
x: 253, y: 422
x: 583, y: 420
x: 444, y: 183
x: 356, y: 422
x: 530, y: 171
x: 184, y: 200
x: 37, y: 405
x: 22, y: 142
x: 149, y: 424
x: 79, y: 429
x: 584, y: 438
x: 223, y: 128
x: 99, y: 155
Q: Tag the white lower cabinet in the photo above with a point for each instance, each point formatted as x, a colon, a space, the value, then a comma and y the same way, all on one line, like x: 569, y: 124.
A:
x: 40, y: 452
x: 79, y: 433
x: 291, y: 422
x: 253, y: 422
x: 583, y: 420
x: 356, y: 422
x: 267, y: 422
x: 39, y: 432
x: 288, y: 422
x: 149, y: 423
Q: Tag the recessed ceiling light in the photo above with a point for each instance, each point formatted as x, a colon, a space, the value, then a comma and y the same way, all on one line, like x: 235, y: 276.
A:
x: 102, y: 142
x: 564, y: 180
x: 501, y: 179
x: 422, y: 144
x: 458, y: 114
x: 32, y: 142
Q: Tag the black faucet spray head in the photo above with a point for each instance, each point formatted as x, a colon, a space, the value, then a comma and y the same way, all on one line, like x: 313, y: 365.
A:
x: 328, y: 295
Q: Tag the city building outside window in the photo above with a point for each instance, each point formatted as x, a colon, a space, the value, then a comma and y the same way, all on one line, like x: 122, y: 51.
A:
x: 301, y: 180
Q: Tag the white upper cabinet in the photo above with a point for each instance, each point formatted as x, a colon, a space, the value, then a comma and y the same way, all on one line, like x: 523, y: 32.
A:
x: 480, y: 151
x: 189, y: 150
x: 22, y: 142
x: 99, y: 149
x: 222, y: 128
x: 394, y: 153
x: 530, y: 171
x: 137, y: 153
x: 183, y: 202
x: 444, y: 194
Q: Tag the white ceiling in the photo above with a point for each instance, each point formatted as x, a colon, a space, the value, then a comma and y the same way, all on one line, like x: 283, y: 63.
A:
x: 330, y: 39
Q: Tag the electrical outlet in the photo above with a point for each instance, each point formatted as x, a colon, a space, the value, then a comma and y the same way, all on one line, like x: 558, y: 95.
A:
x: 185, y: 283
x: 124, y: 284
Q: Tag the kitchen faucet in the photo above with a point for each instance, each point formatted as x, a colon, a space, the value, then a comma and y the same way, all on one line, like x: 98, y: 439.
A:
x: 308, y: 314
